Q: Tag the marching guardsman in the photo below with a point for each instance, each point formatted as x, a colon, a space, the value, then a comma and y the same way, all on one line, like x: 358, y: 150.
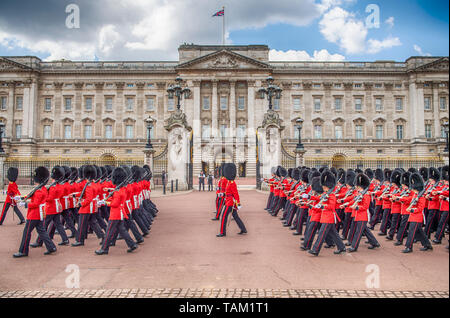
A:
x: 328, y: 218
x: 282, y: 172
x: 361, y: 206
x: 443, y: 195
x: 416, y: 216
x: 117, y: 215
x: 271, y: 187
x: 404, y: 198
x: 396, y: 207
x: 220, y: 193
x: 12, y: 195
x: 313, y: 223
x: 291, y: 197
x: 340, y: 192
x: 36, y: 214
x: 380, y: 185
x: 386, y: 203
x: 232, y: 201
x: 303, y: 209
x: 67, y: 199
x: 432, y: 200
x: 345, y: 198
x: 53, y: 208
x: 135, y: 203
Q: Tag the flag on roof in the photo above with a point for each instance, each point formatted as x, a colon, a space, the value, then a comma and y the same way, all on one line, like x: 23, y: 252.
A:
x: 220, y: 13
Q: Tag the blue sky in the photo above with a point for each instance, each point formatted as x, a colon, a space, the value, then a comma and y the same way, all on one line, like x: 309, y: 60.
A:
x: 153, y: 29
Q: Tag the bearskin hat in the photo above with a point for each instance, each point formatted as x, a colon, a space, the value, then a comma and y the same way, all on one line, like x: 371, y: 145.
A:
x: 327, y: 179
x: 341, y: 176
x: 334, y: 171
x: 405, y: 178
x: 424, y: 173
x: 350, y: 177
x: 149, y: 172
x: 290, y: 172
x: 412, y: 170
x: 12, y: 174
x: 445, y: 173
x: 89, y: 172
x: 362, y: 181
x: 305, y: 175
x: 387, y: 174
x: 67, y: 172
x: 416, y: 182
x: 99, y: 172
x: 296, y: 174
x: 396, y: 176
x: 104, y: 172
x: 230, y: 171
x: 273, y: 170
x: 41, y: 175
x: 282, y: 171
x: 80, y: 172
x: 127, y: 170
x: 137, y: 173
x: 322, y: 169
x: 313, y: 174
x: 316, y: 186
x: 379, y: 175
x: 357, y: 171
x: 73, y: 174
x: 369, y: 172
x: 434, y: 174
x: 118, y: 176
x: 57, y: 173
x: 109, y: 170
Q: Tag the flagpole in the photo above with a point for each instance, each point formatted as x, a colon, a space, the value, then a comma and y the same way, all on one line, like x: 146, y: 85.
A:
x: 223, y: 26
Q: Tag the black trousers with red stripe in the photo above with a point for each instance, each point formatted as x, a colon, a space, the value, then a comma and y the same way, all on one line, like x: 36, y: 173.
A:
x: 415, y: 231
x: 223, y: 223
x: 52, y: 222
x: 351, y: 232
x: 219, y: 206
x: 301, y: 218
x: 403, y: 228
x: 385, y: 220
x: 280, y: 204
x: 68, y: 219
x: 310, y: 232
x: 375, y: 219
x: 87, y: 220
x: 360, y: 230
x: 328, y: 232
x: 269, y: 200
x: 443, y: 220
x: 346, y: 223
x: 431, y: 219
x: 114, y: 228
x: 30, y: 225
x: 5, y: 211
x: 395, y: 221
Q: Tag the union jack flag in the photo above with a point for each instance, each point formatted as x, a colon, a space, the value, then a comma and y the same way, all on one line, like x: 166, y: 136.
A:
x: 220, y: 13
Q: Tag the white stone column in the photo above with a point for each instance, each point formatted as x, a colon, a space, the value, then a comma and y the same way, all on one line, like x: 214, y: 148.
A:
x: 417, y: 122
x: 232, y: 109
x: 2, y: 161
x: 251, y: 130
x: 197, y: 132
x: 10, y: 116
x: 437, y: 126
x: 214, y: 110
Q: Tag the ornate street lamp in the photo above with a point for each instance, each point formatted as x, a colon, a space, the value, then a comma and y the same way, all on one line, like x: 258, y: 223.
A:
x: 271, y: 91
x: 2, y: 129
x: 178, y: 91
x: 446, y: 136
x: 149, y: 122
x: 299, y: 123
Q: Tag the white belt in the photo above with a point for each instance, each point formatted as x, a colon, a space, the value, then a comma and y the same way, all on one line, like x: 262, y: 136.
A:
x: 41, y: 211
x: 66, y: 202
x: 128, y: 202
x: 58, y: 206
x: 135, y: 200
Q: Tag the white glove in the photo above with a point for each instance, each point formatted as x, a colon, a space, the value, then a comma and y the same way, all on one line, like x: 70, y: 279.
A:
x: 239, y: 207
x: 17, y: 198
x: 21, y: 203
x: 101, y: 202
x: 305, y: 196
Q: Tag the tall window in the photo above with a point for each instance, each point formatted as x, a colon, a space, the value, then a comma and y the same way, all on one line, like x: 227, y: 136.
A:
x: 109, y: 103
x: 206, y: 132
x: 88, y: 103
x: 318, y: 132
x: 378, y: 104
x: 317, y: 104
x: 338, y: 104
x: 358, y: 104
x: 150, y: 104
x: 88, y: 132
x: 223, y: 103
x: 108, y: 132
x: 19, y: 103
x: 206, y: 104
x: 241, y: 103
x: 3, y: 103
x: 359, y: 132
x: 47, y: 132
x: 18, y: 131
x: 276, y: 104
x: 427, y: 103
x: 67, y: 131
x: 240, y: 133
x: 399, y: 104
x: 399, y: 131
x: 223, y: 130
x: 428, y: 131
x: 129, y: 133
x: 130, y: 103
x: 443, y: 134
x: 338, y: 132
x: 379, y: 132
x: 48, y: 104
x: 296, y: 103
x: 171, y: 104
x: 443, y: 103
x: 68, y: 104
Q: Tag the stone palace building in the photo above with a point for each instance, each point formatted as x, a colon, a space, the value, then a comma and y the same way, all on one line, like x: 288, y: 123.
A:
x: 383, y: 112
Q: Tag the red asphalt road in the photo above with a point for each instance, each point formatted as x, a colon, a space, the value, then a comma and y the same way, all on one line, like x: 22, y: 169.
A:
x: 183, y: 251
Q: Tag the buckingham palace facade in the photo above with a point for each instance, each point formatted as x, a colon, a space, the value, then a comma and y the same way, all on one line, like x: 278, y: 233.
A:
x: 381, y: 110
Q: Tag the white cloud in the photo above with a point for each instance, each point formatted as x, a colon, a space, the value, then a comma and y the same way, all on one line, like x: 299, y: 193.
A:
x: 292, y: 55
x: 375, y: 46
x: 107, y: 39
x: 418, y: 49
x: 390, y: 22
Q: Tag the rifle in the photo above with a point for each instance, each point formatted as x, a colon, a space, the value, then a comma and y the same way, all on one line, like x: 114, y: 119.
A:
x: 359, y: 198
x: 29, y: 195
x: 323, y: 198
x: 118, y: 187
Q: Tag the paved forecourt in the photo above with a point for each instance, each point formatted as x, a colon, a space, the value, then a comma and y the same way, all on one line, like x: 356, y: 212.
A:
x: 182, y: 253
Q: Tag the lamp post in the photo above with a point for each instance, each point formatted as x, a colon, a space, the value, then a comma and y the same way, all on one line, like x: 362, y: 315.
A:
x: 178, y: 91
x: 149, y: 122
x: 299, y: 123
x: 446, y: 136
x: 2, y: 129
x: 271, y: 91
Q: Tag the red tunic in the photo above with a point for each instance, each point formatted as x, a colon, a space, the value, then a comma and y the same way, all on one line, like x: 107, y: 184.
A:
x: 12, y: 191
x: 328, y: 212
x: 53, y: 203
x: 117, y: 205
x: 363, y: 207
x: 87, y: 203
x: 417, y: 210
x: 37, y: 205
x: 231, y: 194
